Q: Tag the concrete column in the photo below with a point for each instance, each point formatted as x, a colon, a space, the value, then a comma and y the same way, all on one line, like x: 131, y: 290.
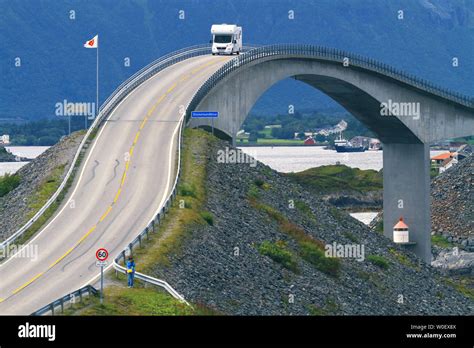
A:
x: 406, y: 192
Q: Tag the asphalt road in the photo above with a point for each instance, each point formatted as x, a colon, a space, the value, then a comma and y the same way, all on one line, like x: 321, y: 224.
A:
x: 128, y: 172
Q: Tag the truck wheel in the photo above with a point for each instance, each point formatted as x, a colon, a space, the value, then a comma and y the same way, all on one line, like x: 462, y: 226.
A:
x: 213, y: 54
x: 238, y: 52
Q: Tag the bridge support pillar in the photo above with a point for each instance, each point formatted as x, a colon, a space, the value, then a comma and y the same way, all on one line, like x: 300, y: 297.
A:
x: 406, y: 192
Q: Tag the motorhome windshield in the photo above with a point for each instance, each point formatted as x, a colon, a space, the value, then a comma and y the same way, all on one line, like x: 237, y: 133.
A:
x: 223, y: 38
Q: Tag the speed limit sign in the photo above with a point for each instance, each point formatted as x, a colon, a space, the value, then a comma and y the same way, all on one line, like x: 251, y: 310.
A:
x: 102, y: 254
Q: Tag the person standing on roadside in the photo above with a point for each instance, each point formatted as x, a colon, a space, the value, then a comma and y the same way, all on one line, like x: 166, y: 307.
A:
x: 130, y: 271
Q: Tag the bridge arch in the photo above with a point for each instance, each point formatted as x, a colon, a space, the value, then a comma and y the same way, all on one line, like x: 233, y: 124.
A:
x: 360, y: 86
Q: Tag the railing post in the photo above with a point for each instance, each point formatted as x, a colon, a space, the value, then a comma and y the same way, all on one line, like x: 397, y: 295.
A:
x: 62, y: 305
x: 52, y: 308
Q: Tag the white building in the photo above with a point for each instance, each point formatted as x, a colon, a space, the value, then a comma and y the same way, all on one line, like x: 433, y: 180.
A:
x: 5, y: 139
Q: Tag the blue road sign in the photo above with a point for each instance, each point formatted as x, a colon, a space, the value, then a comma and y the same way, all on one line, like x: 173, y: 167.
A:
x: 204, y: 114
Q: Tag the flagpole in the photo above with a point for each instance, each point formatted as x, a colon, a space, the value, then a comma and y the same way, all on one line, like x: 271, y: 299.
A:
x: 97, y: 80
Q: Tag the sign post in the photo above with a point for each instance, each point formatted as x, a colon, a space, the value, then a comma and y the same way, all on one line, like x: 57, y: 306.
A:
x: 206, y: 114
x: 101, y: 255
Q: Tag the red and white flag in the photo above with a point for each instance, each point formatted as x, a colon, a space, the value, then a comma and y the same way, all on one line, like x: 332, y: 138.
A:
x: 92, y: 43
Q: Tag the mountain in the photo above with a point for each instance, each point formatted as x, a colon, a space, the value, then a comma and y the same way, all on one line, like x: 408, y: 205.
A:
x: 55, y: 66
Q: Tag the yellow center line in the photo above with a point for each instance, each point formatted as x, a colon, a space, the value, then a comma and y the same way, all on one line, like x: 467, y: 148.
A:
x: 86, y: 235
x: 62, y: 257
x: 184, y: 78
x: 123, y: 178
x: 171, y: 88
x: 117, y: 195
x: 136, y: 137
x: 28, y: 283
x: 106, y: 213
x: 161, y: 99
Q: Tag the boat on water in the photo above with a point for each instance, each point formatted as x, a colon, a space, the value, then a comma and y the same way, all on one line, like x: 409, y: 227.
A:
x: 342, y: 145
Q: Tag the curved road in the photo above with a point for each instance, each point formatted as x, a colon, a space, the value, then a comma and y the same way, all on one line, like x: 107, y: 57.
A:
x: 127, y: 174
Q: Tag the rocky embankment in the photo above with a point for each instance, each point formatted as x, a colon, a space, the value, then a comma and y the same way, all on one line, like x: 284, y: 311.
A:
x: 452, y: 204
x: 260, y: 254
x: 452, y: 218
x: 15, y: 207
x: 6, y: 156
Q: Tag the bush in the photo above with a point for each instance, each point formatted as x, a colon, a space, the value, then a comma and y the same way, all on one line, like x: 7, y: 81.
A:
x: 8, y: 183
x: 187, y: 190
x: 279, y: 253
x: 253, y: 192
x: 259, y: 182
x: 207, y: 216
x: 440, y: 241
x: 378, y: 260
x: 312, y: 253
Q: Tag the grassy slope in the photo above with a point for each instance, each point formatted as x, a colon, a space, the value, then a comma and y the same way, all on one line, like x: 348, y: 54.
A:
x: 137, y: 301
x: 8, y: 182
x: 186, y: 210
x: 338, y: 178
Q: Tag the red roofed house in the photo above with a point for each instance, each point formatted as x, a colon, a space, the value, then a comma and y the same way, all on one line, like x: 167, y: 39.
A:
x: 310, y: 141
x: 444, y: 161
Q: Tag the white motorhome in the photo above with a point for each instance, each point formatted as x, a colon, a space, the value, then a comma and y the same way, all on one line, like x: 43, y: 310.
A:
x: 226, y: 39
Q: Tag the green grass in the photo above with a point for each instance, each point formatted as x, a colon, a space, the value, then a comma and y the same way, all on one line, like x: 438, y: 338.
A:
x: 338, y: 178
x: 441, y: 241
x: 316, y: 256
x: 260, y: 183
x: 378, y: 260
x: 8, y: 182
x: 178, y: 224
x: 353, y: 238
x: 309, y: 248
x: 45, y: 190
x: 330, y: 308
x: 253, y: 192
x: 207, y: 216
x: 279, y: 253
x: 464, y: 285
x: 403, y: 259
x: 187, y: 190
x: 337, y: 213
x: 136, y: 301
x: 305, y: 209
x: 39, y: 199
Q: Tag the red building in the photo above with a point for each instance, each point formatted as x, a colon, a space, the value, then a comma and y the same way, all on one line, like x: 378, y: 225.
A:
x: 310, y: 141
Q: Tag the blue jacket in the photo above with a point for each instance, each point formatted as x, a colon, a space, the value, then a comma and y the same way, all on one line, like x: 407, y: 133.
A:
x: 131, y: 265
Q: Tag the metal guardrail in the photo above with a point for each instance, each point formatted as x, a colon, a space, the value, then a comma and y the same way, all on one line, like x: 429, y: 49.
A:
x: 325, y: 54
x: 151, y: 227
x: 67, y: 299
x: 156, y: 220
x: 112, y: 101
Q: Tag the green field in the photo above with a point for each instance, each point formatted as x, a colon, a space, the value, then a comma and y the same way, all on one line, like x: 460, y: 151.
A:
x: 338, y: 178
